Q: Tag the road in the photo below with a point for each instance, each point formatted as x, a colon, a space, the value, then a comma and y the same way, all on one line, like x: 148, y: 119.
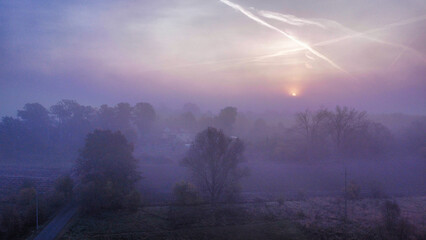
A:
x: 55, y: 227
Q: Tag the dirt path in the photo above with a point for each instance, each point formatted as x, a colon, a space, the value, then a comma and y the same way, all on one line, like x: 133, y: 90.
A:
x: 57, y: 225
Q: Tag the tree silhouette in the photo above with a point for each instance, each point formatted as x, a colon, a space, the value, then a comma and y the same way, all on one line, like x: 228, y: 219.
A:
x: 214, y: 160
x: 107, y: 169
x: 226, y: 119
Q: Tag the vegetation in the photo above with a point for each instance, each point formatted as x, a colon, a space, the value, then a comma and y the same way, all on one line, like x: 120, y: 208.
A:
x: 107, y: 170
x: 18, y: 215
x: 213, y: 160
x: 185, y: 194
x: 38, y: 134
x: 211, y: 148
x: 65, y: 185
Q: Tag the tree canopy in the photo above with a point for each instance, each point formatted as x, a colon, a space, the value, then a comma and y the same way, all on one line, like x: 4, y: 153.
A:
x: 213, y: 160
x: 107, y: 169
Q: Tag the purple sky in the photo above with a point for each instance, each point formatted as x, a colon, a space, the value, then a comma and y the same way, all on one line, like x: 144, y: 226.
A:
x: 253, y: 54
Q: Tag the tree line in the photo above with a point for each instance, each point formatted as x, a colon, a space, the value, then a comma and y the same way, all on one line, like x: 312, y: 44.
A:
x: 61, y: 129
x: 58, y: 132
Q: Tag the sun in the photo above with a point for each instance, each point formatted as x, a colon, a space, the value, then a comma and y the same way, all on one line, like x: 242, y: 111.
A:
x: 293, y: 94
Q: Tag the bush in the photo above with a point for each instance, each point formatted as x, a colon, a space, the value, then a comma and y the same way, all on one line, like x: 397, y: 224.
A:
x: 394, y: 226
x: 185, y: 193
x: 19, y: 217
x: 390, y: 214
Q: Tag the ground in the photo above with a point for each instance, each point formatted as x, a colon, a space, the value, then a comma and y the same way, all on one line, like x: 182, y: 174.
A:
x: 315, y: 218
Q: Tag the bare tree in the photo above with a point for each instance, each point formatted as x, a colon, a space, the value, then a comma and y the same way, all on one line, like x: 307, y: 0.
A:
x: 213, y: 160
x: 312, y: 126
x: 343, y: 123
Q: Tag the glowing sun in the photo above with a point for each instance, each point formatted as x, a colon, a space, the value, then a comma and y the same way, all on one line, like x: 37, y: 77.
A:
x: 293, y: 94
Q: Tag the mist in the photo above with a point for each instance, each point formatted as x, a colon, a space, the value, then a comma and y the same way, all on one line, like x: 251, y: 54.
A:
x: 192, y: 119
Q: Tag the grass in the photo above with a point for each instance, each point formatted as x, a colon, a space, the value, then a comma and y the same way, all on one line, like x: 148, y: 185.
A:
x: 316, y: 218
x: 153, y: 223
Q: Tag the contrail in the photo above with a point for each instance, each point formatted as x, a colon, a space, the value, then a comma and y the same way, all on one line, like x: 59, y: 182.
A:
x: 302, y: 44
x: 362, y: 34
x: 290, y: 19
x: 357, y: 34
x: 294, y: 50
x: 397, y: 58
x: 293, y: 20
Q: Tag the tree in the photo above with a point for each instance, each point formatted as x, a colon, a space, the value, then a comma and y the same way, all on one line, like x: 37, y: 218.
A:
x: 226, y: 119
x: 188, y: 121
x: 192, y: 108
x: 35, y: 114
x: 107, y: 169
x: 213, y: 160
x: 372, y: 140
x: 343, y: 124
x: 312, y: 126
x: 143, y: 117
x: 73, y: 123
x: 69, y: 110
x: 105, y: 118
x: 36, y: 120
x: 122, y: 118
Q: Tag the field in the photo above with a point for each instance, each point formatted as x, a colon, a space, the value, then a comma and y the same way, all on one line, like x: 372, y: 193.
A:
x: 315, y: 218
x: 317, y: 212
x: 12, y: 177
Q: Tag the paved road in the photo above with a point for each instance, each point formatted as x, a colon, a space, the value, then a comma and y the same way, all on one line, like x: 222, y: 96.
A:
x: 54, y: 228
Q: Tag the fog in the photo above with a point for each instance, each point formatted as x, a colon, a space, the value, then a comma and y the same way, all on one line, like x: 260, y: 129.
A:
x: 169, y: 119
x: 383, y: 150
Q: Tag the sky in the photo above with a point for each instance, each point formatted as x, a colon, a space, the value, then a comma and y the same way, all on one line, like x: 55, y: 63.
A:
x: 254, y: 54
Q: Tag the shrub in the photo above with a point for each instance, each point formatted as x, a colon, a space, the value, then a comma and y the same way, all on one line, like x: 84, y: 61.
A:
x: 395, y: 227
x: 185, y: 193
x: 390, y: 214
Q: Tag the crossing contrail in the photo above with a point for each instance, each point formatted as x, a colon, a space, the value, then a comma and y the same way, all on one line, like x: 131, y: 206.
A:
x: 298, y: 22
x: 300, y: 43
x: 354, y: 35
x: 290, y: 19
x: 326, y: 23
